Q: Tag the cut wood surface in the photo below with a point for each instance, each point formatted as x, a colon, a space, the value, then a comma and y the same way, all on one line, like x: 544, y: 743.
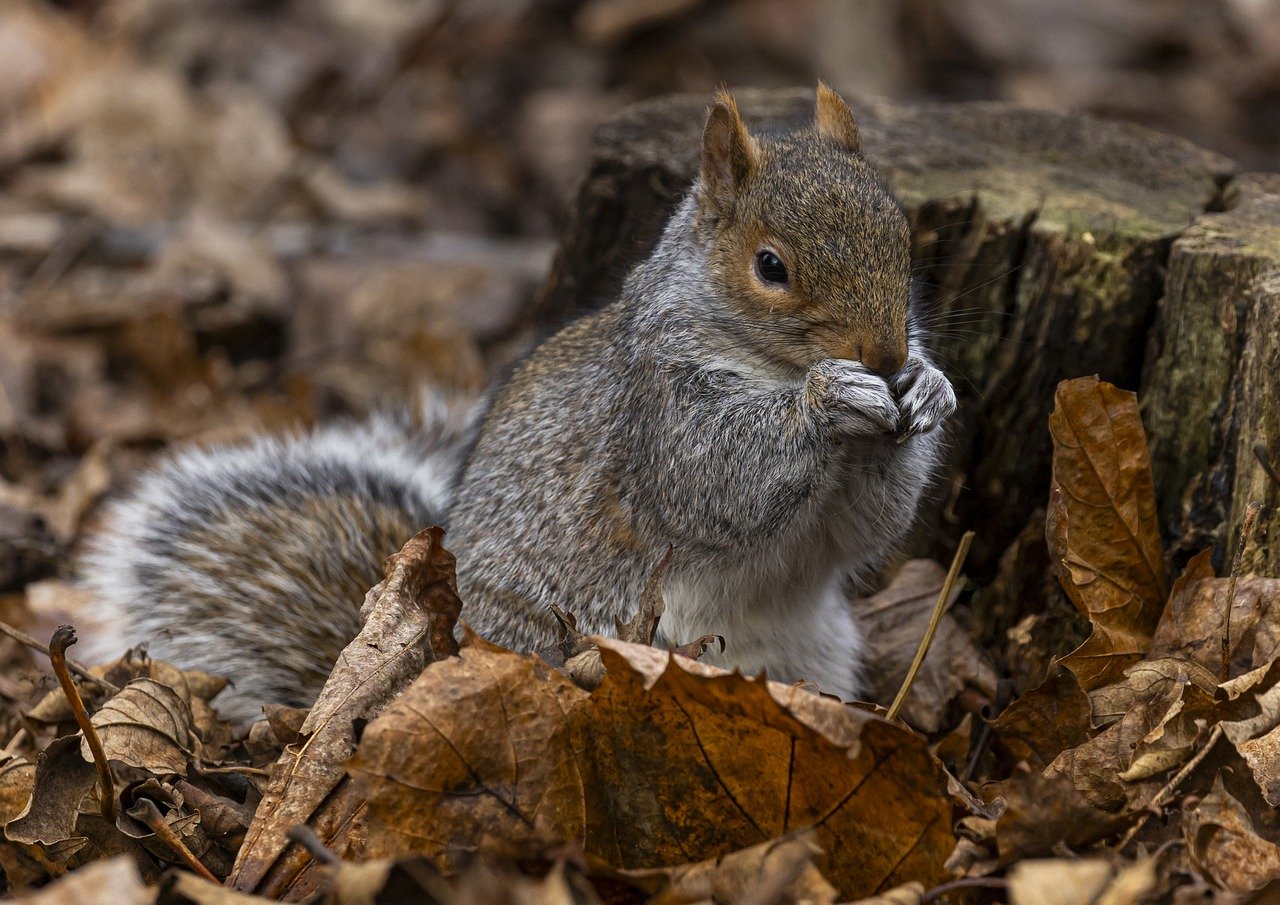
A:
x: 1047, y: 247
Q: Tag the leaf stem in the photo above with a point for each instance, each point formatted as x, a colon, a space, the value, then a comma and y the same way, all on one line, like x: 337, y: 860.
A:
x: 1246, y: 532
x: 64, y: 637
x: 146, y: 809
x: 957, y: 562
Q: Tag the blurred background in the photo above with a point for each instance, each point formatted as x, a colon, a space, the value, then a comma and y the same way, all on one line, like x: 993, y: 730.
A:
x: 219, y: 216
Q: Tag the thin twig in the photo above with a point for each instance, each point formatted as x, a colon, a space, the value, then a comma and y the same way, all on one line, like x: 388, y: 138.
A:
x: 63, y: 638
x: 1246, y: 532
x: 1165, y: 795
x: 305, y: 836
x: 957, y: 562
x: 1264, y: 459
x: 155, y: 821
x: 26, y: 640
x: 963, y: 883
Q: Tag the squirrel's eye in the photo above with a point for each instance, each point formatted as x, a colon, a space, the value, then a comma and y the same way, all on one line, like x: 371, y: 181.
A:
x: 770, y: 269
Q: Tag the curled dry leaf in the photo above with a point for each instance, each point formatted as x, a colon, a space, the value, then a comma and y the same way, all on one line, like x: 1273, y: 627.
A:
x: 1222, y: 841
x: 63, y: 780
x: 115, y: 881
x: 147, y: 726
x: 408, y: 621
x: 1104, y: 538
x: 1059, y: 881
x: 17, y: 779
x: 781, y: 870
x: 663, y: 764
x: 1193, y: 624
x: 894, y: 620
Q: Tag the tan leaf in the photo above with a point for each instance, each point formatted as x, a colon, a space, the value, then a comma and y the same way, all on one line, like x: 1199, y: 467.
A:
x: 653, y: 768
x: 115, y: 881
x: 1222, y: 841
x: 1059, y: 881
x: 785, y: 869
x: 17, y: 779
x: 894, y: 620
x: 1104, y: 538
x: 408, y: 621
x: 148, y: 726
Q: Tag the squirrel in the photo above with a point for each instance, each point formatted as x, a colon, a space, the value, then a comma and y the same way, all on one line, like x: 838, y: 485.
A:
x: 758, y: 400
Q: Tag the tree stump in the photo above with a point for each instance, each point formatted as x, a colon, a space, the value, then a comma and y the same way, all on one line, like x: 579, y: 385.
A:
x: 1047, y: 247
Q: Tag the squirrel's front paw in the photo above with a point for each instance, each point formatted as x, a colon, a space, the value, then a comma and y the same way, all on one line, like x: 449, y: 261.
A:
x: 856, y: 401
x: 925, y: 397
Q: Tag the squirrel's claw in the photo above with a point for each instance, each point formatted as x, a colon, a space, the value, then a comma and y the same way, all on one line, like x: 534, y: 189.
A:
x: 926, y: 402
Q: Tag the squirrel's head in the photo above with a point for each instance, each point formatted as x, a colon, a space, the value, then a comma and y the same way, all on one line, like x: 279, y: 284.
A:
x: 806, y: 244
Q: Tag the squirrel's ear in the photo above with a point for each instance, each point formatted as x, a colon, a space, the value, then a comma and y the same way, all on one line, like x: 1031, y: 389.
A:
x: 729, y: 153
x: 835, y: 119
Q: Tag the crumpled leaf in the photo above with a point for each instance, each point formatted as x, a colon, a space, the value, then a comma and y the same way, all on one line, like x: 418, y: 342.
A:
x: 408, y: 620
x: 1059, y: 881
x: 893, y: 622
x: 148, y: 726
x: 1044, y: 812
x: 1104, y: 537
x: 1223, y: 842
x: 63, y: 780
x: 115, y: 880
x: 785, y: 869
x: 1045, y: 721
x: 17, y: 779
x: 658, y: 766
x: 1192, y: 624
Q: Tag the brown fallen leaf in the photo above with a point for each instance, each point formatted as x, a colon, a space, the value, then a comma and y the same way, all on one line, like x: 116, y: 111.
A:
x: 1192, y: 624
x: 1103, y: 534
x: 894, y: 620
x: 1222, y: 841
x: 115, y: 881
x: 781, y: 870
x: 663, y: 764
x: 1044, y: 812
x: 17, y: 779
x: 180, y: 887
x: 1045, y: 721
x: 63, y: 780
x: 147, y: 726
x: 408, y: 621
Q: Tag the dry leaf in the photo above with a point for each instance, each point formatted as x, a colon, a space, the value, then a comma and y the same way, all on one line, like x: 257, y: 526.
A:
x: 1045, y: 721
x: 782, y: 870
x: 1084, y: 882
x: 1222, y: 841
x: 115, y: 881
x: 409, y: 619
x: 1192, y: 625
x: 1045, y: 812
x: 63, y: 780
x: 658, y: 766
x: 894, y: 620
x: 17, y: 779
x: 148, y: 726
x: 1103, y: 535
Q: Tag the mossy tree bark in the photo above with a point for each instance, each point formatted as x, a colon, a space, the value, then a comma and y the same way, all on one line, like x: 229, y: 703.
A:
x: 1042, y: 246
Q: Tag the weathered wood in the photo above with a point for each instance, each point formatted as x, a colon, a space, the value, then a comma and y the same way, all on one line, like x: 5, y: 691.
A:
x: 1041, y: 245
x: 1212, y: 390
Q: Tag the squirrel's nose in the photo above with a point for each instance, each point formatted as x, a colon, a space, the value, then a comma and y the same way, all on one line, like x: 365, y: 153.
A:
x: 883, y: 359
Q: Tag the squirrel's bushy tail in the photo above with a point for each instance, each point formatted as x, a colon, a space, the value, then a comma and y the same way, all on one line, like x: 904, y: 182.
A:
x: 252, y: 561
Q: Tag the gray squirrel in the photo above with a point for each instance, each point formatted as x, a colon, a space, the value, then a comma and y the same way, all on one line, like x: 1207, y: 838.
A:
x: 758, y: 400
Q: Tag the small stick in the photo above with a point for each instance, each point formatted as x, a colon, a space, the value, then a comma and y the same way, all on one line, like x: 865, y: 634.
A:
x: 64, y: 637
x: 27, y: 641
x: 1165, y: 795
x: 1246, y: 532
x: 152, y: 817
x: 1264, y: 459
x: 957, y: 562
x: 307, y: 838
